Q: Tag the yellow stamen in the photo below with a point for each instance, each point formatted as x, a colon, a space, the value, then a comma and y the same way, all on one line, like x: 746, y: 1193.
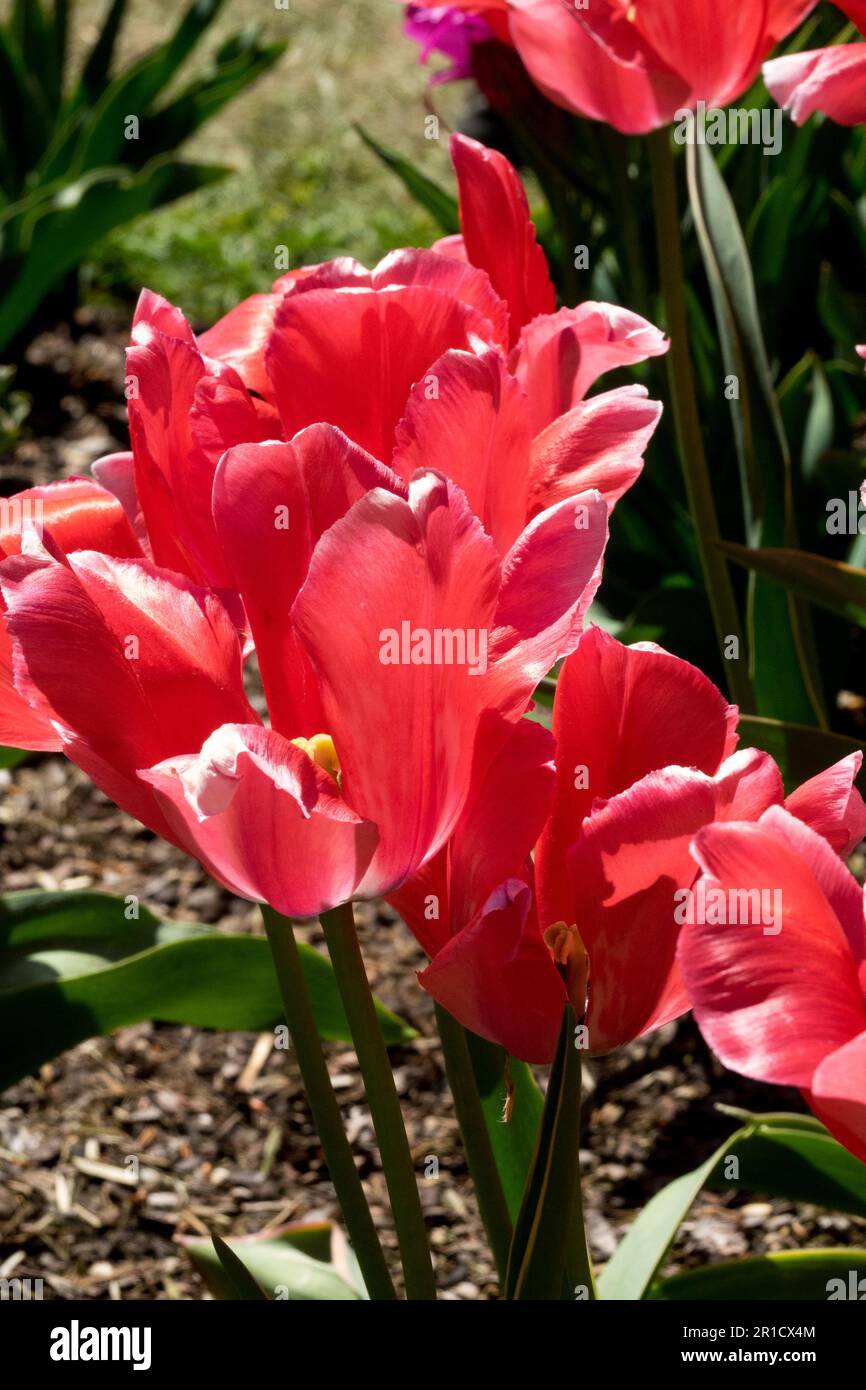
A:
x: 320, y: 748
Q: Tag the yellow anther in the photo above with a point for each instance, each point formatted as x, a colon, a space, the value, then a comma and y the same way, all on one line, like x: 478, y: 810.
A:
x: 320, y: 748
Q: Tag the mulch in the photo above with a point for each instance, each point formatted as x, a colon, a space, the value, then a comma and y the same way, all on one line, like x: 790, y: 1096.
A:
x: 218, y: 1123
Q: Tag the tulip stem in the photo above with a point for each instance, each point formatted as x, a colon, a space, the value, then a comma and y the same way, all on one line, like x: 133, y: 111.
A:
x: 345, y: 952
x: 323, y: 1104
x: 476, y: 1139
x: 720, y: 591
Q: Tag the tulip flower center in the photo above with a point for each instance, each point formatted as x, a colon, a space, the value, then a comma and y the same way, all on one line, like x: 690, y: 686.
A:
x: 569, y: 953
x: 320, y: 748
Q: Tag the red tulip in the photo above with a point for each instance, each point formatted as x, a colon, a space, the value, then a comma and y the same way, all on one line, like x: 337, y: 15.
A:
x: 644, y: 758
x: 832, y: 80
x: 635, y: 65
x: 790, y: 1007
x: 142, y: 668
x: 343, y: 344
x: 372, y: 352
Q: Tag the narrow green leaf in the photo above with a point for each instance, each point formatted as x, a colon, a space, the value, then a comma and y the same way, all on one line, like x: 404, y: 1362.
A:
x: 172, y: 124
x: 97, y: 67
x: 51, y: 231
x: 781, y: 642
x: 243, y: 1284
x: 829, y: 583
x: 441, y: 205
x: 133, y: 91
x: 639, y: 1255
x: 543, y: 1231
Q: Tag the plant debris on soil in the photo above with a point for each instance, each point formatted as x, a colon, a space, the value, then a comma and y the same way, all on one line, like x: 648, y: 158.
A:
x: 218, y: 1123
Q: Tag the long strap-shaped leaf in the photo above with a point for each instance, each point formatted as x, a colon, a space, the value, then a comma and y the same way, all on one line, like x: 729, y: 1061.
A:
x: 782, y: 648
x: 549, y: 1244
x: 633, y: 1267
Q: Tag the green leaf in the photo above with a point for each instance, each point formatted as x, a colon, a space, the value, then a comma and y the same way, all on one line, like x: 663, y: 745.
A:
x: 95, y: 74
x: 441, y: 205
x: 800, y: 751
x: 502, y: 1079
x: 791, y: 1274
x: 132, y: 92
x: 545, y: 1227
x: 50, y: 232
x: 805, y: 1164
x: 174, y: 123
x: 307, y: 1263
x: 778, y: 1154
x: 243, y: 1284
x: 829, y: 583
x: 781, y: 641
x: 639, y: 1255
x: 11, y: 757
x: 72, y: 967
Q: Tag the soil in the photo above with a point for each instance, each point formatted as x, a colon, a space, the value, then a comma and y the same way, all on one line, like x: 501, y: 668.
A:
x: 222, y: 1130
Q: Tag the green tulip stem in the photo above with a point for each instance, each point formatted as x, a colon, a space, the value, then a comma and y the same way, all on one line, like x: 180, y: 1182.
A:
x: 348, y: 963
x: 323, y: 1104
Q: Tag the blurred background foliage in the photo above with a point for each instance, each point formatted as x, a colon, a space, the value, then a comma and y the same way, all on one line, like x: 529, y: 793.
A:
x: 303, y: 178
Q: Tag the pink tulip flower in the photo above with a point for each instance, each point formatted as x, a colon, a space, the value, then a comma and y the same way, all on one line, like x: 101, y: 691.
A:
x: 787, y: 1007
x: 644, y: 758
x: 832, y: 80
x: 635, y: 63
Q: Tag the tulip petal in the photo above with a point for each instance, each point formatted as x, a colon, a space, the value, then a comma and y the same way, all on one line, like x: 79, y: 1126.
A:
x: 265, y: 820
x: 137, y: 663
x: 549, y: 579
x: 240, y: 337
x: 619, y: 714
x: 271, y: 503
x: 498, y: 978
x: 388, y: 577
x: 832, y: 805
x: 559, y: 357
x: 630, y: 861
x: 832, y: 80
x: 351, y: 357
x: 498, y: 232
x: 838, y: 1094
x: 22, y: 724
x: 599, y: 444
x: 716, y: 53
x: 771, y: 1006
x: 452, y: 275
x: 493, y: 839
x: 116, y: 473
x: 475, y: 430
x: 575, y: 71
x: 183, y: 415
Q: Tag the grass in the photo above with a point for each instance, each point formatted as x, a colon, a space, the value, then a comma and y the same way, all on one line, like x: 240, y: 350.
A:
x: 303, y: 180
